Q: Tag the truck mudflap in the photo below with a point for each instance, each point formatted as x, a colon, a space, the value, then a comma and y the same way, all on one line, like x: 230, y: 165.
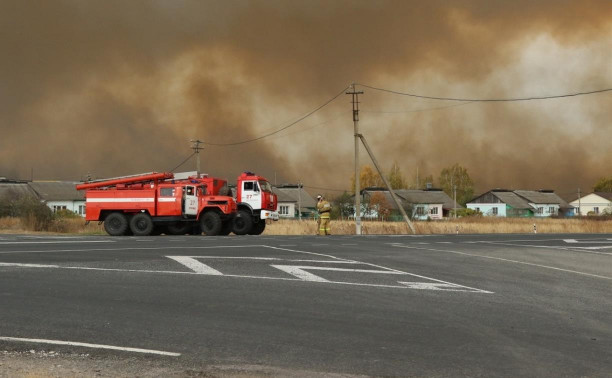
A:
x: 265, y: 214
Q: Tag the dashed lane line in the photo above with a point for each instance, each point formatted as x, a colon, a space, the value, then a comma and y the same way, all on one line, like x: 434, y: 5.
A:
x: 89, y: 345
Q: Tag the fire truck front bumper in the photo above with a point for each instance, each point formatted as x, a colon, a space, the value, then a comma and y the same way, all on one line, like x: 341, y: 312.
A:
x: 265, y: 214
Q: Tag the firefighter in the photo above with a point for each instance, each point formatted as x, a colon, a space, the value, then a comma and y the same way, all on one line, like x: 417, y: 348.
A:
x: 324, y: 209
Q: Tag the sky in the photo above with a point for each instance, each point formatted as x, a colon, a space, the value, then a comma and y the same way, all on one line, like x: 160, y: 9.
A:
x: 110, y: 88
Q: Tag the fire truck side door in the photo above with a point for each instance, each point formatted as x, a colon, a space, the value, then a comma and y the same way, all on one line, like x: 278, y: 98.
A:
x: 251, y: 194
x: 191, y: 201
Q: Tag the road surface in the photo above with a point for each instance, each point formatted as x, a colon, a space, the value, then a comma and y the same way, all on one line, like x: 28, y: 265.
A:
x: 451, y: 305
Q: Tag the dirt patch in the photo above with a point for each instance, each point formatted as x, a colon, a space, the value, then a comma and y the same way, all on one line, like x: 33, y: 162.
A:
x: 49, y: 363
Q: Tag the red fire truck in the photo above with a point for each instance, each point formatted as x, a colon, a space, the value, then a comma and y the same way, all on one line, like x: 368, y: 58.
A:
x: 153, y: 203
x: 256, y: 203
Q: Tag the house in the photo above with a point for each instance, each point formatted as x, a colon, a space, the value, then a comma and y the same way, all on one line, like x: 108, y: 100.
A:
x: 293, y: 198
x: 14, y: 188
x: 425, y: 204
x: 11, y: 190
x: 520, y: 203
x: 593, y: 204
x: 60, y: 195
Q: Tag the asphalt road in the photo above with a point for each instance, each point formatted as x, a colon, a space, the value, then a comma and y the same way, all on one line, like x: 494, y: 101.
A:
x: 454, y: 305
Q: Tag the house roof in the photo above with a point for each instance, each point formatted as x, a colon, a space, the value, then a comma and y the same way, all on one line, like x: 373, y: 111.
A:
x: 292, y: 193
x: 56, y: 190
x: 606, y: 195
x: 416, y: 197
x: 521, y: 199
x: 512, y: 199
x: 427, y: 196
x: 542, y: 197
x: 18, y: 189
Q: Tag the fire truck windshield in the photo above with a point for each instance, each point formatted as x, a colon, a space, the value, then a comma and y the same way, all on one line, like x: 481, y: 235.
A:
x: 265, y: 186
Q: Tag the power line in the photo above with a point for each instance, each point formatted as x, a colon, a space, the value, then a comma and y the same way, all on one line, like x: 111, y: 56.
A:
x: 184, y: 161
x: 417, y: 110
x: 282, y: 128
x: 486, y: 99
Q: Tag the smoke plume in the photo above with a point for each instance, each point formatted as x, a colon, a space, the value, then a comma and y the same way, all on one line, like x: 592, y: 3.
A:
x: 113, y: 87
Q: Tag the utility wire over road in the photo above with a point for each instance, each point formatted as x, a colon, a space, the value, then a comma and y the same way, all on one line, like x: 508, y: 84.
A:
x: 464, y: 101
x: 282, y: 128
x: 486, y: 99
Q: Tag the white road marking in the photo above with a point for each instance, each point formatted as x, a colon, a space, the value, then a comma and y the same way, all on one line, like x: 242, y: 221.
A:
x: 132, y: 249
x: 195, y: 265
x: 506, y: 260
x: 88, y: 345
x: 587, y: 241
x: 433, y: 286
x: 275, y: 259
x: 299, y: 273
x: 309, y: 253
x: 602, y: 247
x: 571, y: 249
x: 233, y: 276
x: 57, y: 242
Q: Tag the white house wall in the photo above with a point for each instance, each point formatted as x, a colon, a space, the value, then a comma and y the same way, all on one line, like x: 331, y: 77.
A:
x: 546, y: 209
x: 591, y: 201
x: 431, y: 211
x: 487, y: 209
x: 290, y: 210
x: 77, y: 207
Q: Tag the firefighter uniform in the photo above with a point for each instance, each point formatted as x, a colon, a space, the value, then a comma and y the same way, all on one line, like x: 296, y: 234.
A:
x: 324, y: 209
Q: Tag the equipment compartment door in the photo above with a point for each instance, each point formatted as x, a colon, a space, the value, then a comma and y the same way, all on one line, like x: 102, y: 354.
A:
x: 191, y: 201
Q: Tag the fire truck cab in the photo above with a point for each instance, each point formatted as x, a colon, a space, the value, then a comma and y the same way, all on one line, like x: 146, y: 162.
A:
x: 256, y: 203
x: 153, y: 203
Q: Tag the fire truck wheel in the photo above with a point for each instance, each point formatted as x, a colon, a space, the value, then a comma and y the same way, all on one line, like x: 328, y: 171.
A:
x: 243, y: 223
x: 211, y: 223
x: 258, y: 228
x: 116, y: 224
x: 141, y: 224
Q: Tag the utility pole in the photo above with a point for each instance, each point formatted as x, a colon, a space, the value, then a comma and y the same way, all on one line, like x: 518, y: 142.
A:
x: 382, y: 176
x: 355, y: 101
x: 455, y: 199
x: 196, y: 148
x: 299, y: 200
x: 579, y: 204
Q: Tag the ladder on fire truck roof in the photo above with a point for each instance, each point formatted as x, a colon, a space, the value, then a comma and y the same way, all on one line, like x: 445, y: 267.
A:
x: 131, y: 179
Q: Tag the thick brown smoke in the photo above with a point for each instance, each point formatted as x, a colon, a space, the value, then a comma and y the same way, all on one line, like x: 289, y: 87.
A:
x: 116, y: 87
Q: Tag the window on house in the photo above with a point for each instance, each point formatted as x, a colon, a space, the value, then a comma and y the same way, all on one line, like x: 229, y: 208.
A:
x: 477, y: 209
x: 433, y: 210
x: 283, y: 210
x: 596, y: 210
x: 540, y: 210
x: 495, y: 210
x: 551, y: 210
x: 81, y: 209
x: 420, y: 210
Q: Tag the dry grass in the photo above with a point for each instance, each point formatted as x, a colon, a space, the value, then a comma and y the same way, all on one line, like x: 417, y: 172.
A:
x: 10, y: 225
x: 472, y: 225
